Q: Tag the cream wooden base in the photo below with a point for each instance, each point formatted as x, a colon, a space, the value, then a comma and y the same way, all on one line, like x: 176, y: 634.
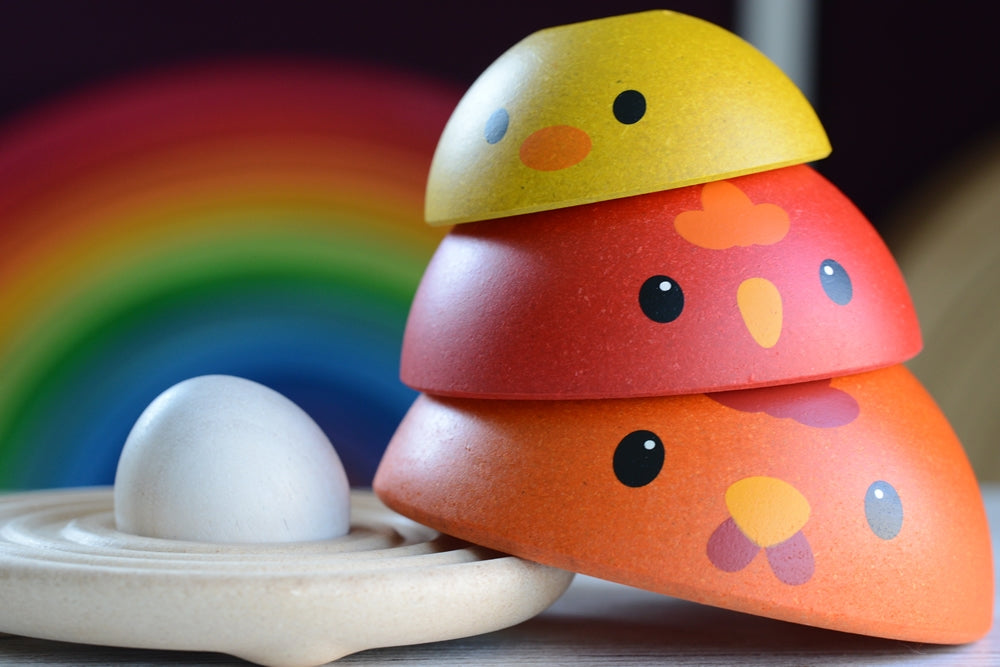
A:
x: 67, y: 574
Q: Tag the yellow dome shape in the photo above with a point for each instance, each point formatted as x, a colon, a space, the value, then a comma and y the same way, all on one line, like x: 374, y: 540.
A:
x: 616, y: 107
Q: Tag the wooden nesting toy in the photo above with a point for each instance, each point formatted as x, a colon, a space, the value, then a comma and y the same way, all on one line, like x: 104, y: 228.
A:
x: 666, y: 352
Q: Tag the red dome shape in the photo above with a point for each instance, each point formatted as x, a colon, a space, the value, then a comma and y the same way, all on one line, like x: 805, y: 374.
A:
x: 765, y: 279
x: 844, y: 503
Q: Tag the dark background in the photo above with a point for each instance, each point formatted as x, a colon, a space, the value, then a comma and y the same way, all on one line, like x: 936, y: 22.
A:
x: 903, y: 87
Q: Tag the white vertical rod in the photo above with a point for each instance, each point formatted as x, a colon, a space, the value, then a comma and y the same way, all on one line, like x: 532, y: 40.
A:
x: 786, y: 31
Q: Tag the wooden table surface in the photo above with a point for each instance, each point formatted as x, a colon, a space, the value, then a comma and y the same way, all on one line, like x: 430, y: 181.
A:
x: 597, y: 623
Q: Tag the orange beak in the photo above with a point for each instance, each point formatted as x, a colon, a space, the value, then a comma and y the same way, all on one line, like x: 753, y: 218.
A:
x: 555, y: 147
x: 760, y: 305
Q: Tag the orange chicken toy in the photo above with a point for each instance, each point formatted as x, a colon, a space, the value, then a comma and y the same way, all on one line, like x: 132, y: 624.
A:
x: 665, y: 352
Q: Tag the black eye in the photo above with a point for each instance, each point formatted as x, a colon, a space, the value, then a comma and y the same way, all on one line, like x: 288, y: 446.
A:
x: 638, y: 458
x: 629, y: 107
x: 836, y: 283
x: 884, y: 510
x: 496, y: 126
x: 661, y: 299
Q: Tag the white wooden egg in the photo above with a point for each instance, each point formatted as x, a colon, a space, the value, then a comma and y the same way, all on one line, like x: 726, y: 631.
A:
x: 222, y: 459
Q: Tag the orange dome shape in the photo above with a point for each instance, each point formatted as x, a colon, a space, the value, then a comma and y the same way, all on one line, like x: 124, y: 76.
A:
x: 612, y: 108
x: 844, y: 503
x: 764, y: 279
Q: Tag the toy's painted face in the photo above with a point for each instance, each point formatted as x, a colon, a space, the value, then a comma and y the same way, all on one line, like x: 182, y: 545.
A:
x: 613, y: 108
x: 741, y: 499
x: 759, y: 280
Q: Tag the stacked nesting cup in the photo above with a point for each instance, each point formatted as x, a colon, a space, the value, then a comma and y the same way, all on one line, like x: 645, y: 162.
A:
x: 659, y: 348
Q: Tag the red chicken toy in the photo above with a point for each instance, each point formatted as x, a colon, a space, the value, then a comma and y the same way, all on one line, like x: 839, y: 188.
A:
x: 666, y: 352
x: 769, y: 278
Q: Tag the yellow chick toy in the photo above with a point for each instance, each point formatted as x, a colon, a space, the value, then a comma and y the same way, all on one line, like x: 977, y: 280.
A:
x: 612, y: 108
